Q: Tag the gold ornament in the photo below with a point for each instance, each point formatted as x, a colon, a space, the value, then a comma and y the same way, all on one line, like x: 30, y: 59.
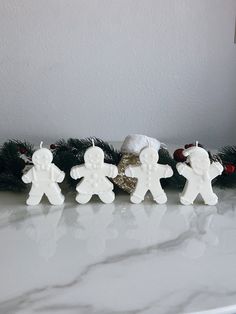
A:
x: 125, y: 183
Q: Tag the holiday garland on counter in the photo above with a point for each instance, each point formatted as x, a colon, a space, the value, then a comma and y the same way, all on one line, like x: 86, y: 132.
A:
x: 227, y: 156
x: 15, y: 158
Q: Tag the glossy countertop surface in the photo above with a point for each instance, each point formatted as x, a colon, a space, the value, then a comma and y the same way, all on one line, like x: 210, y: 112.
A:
x: 118, y: 258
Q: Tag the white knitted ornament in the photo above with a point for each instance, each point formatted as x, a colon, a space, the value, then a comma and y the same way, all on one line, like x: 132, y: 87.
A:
x: 134, y: 143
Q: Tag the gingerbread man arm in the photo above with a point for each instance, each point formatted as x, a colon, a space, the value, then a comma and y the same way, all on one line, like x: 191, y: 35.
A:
x: 28, y: 176
x: 164, y: 171
x: 168, y: 171
x: 111, y: 171
x: 78, y: 172
x: 58, y: 174
x: 132, y: 171
x: 184, y: 170
x: 215, y: 169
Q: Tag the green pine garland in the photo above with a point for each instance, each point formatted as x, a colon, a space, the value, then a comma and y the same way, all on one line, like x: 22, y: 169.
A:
x: 228, y: 156
x: 176, y: 181
x: 12, y: 165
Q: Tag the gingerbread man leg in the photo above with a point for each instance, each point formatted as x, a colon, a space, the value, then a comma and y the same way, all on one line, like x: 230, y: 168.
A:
x: 35, y: 196
x: 107, y: 197
x: 159, y: 195
x: 83, y: 198
x: 54, y: 195
x: 138, y: 195
x: 55, y: 198
x: 189, y: 194
x: 209, y: 197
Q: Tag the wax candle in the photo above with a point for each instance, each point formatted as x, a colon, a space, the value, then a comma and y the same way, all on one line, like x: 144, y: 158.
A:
x: 199, y: 175
x: 44, y: 176
x: 94, y: 172
x: 149, y: 174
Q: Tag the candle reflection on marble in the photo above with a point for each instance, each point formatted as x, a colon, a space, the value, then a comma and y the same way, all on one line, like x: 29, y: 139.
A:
x: 94, y: 227
x: 46, y: 229
x: 198, y: 220
x: 158, y: 277
x: 147, y: 228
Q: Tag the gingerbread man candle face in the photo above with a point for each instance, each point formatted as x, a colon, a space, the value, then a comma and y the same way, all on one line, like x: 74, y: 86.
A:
x: 149, y: 174
x: 44, y: 176
x: 42, y: 158
x: 94, y: 172
x: 148, y: 156
x: 199, y: 175
x: 94, y: 157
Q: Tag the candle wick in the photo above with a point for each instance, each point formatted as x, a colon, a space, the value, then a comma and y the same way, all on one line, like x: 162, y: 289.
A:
x: 41, y: 144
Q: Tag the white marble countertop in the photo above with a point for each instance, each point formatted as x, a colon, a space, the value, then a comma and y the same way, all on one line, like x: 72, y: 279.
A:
x: 117, y: 259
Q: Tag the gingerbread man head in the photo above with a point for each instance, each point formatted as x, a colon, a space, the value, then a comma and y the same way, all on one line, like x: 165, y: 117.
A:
x: 198, y: 158
x: 148, y: 156
x: 94, y: 157
x: 42, y: 158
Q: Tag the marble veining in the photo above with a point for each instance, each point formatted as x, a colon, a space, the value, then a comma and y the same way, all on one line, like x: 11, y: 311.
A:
x: 118, y: 258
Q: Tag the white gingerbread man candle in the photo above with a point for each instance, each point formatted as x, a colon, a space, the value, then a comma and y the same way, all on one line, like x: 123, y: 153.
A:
x: 199, y: 175
x: 94, y: 172
x: 44, y: 176
x: 149, y: 174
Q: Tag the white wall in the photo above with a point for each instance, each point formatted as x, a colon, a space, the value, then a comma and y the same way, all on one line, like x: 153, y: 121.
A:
x: 166, y: 68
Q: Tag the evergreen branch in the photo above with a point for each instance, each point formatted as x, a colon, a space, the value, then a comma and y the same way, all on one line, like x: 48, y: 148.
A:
x: 12, y: 165
x: 176, y: 181
x: 9, y: 182
x: 228, y: 156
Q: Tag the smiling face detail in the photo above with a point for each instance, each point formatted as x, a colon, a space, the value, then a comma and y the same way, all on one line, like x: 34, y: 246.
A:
x: 94, y: 157
x: 42, y: 157
x: 148, y: 156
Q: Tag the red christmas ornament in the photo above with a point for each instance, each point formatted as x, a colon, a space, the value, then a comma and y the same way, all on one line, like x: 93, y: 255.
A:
x: 23, y: 150
x: 178, y: 155
x: 52, y: 146
x: 229, y: 168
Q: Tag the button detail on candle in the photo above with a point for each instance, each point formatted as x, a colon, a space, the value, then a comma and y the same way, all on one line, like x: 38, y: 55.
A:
x: 94, y: 173
x: 44, y: 176
x: 199, y: 175
x: 149, y: 174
